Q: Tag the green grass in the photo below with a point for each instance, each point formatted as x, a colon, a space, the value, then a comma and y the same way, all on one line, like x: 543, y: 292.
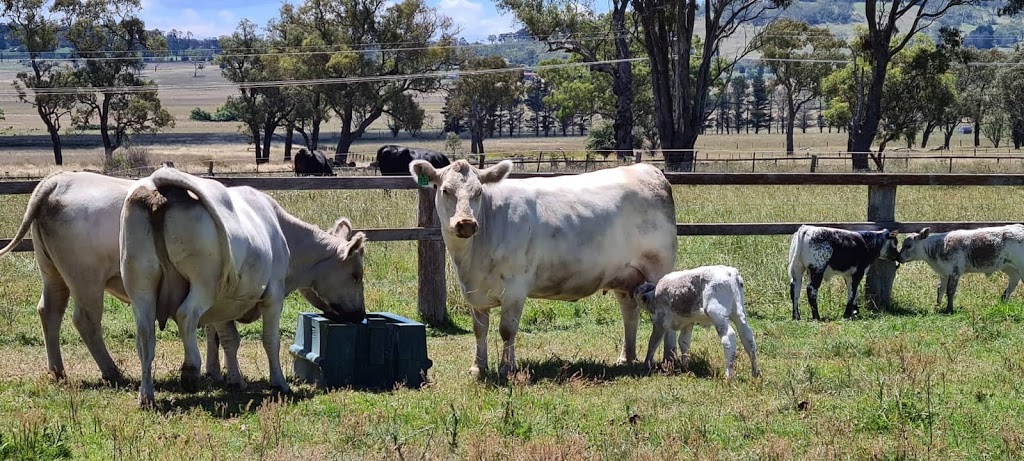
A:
x: 906, y: 384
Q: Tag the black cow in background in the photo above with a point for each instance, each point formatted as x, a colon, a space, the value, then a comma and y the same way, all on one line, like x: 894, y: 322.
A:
x: 312, y: 163
x: 394, y: 160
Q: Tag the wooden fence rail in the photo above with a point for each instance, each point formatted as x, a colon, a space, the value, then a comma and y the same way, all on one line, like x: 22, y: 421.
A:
x: 432, y: 300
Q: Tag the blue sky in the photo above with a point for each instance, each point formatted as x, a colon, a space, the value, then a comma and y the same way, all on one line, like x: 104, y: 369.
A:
x: 212, y: 18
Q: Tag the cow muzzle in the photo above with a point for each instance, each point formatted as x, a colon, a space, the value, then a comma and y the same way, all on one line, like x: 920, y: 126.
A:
x: 465, y: 228
x: 346, y: 316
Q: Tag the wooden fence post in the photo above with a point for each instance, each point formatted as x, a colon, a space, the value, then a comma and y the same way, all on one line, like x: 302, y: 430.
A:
x: 432, y: 303
x: 814, y: 163
x: 482, y: 165
x: 209, y: 168
x: 878, y: 288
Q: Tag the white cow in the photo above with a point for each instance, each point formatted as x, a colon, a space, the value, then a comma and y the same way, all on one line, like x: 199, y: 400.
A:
x: 952, y: 254
x: 200, y: 252
x: 706, y: 296
x: 553, y: 238
x: 75, y: 219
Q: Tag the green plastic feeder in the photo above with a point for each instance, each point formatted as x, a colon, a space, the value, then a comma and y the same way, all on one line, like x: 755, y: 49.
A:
x: 383, y: 351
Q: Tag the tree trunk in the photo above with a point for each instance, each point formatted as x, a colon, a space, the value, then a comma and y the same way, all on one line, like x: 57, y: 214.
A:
x: 864, y: 126
x: 622, y: 84
x: 928, y: 128
x: 104, y: 115
x: 345, y: 138
x: 51, y: 127
x: 268, y: 136
x: 790, y: 122
x: 289, y: 133
x: 977, y: 132
x: 947, y: 135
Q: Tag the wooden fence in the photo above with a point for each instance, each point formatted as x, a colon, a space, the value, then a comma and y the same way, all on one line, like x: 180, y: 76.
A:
x: 432, y: 298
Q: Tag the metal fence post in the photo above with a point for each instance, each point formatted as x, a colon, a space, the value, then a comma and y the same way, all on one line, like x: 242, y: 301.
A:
x: 432, y: 302
x: 878, y: 288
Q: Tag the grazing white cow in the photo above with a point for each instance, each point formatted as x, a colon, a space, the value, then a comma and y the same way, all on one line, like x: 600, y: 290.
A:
x: 952, y: 254
x: 75, y: 219
x: 200, y: 252
x: 558, y: 238
x: 824, y: 252
x: 706, y: 296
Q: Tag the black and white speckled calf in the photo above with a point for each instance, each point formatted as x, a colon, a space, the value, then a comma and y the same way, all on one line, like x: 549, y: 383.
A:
x: 707, y: 296
x: 824, y: 252
x: 951, y: 254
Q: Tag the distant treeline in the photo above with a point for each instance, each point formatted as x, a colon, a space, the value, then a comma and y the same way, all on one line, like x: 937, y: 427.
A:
x: 180, y: 44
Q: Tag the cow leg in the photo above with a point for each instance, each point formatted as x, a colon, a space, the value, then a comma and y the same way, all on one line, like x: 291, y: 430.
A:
x: 271, y: 310
x: 188, y: 328
x: 728, y: 335
x: 685, y: 337
x: 213, y: 354
x: 951, y: 284
x: 144, y: 307
x: 227, y: 332
x: 747, y: 338
x: 87, y: 318
x: 630, y: 321
x: 670, y: 355
x: 53, y: 302
x: 812, y: 292
x: 481, y: 321
x: 511, y: 312
x: 657, y: 335
x: 1012, y: 285
x: 852, y: 283
x: 941, y: 290
x: 796, y: 276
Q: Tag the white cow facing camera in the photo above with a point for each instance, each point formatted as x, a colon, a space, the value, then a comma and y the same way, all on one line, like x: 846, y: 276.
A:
x: 706, y: 296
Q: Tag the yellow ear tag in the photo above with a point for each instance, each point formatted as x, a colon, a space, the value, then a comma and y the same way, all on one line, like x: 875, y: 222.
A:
x: 422, y: 180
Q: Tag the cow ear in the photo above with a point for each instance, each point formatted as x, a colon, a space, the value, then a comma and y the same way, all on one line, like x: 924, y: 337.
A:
x: 342, y: 228
x: 924, y: 233
x: 355, y: 245
x: 422, y: 169
x: 496, y: 173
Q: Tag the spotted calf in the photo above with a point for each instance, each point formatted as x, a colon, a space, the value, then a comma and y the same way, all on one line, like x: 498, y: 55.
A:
x: 824, y: 252
x: 707, y: 296
x: 952, y: 254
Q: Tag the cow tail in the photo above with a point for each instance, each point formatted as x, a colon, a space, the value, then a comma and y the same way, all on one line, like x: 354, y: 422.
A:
x: 169, y: 177
x: 39, y: 196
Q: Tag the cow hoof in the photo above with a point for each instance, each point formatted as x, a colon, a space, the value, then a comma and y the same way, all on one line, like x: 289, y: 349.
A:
x: 236, y: 386
x: 506, y: 371
x: 190, y: 379
x: 215, y: 376
x: 146, y: 401
x: 282, y: 389
x: 755, y: 373
x: 624, y: 361
x: 117, y: 380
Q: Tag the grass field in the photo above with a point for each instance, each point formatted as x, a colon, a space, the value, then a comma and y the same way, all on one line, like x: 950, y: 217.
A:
x: 906, y: 384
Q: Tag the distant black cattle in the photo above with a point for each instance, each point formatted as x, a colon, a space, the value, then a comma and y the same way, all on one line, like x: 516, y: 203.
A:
x: 394, y: 160
x: 312, y: 163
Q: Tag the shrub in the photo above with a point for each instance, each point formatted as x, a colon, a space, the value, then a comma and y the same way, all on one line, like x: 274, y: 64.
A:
x: 225, y: 114
x: 200, y: 115
x: 127, y: 158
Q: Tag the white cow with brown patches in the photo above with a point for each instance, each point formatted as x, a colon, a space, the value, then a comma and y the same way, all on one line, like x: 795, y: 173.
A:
x: 558, y: 238
x: 952, y: 254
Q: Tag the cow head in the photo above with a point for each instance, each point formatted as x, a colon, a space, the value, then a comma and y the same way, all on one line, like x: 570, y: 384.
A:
x: 914, y: 247
x: 643, y: 294
x: 460, y: 188
x: 890, y: 245
x: 337, y: 280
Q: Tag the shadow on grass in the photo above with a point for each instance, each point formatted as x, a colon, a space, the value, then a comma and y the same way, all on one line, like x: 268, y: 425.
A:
x: 557, y: 370
x: 218, y: 402
x: 450, y: 328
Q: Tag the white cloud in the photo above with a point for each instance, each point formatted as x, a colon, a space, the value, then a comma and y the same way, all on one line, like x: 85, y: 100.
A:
x: 476, y: 21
